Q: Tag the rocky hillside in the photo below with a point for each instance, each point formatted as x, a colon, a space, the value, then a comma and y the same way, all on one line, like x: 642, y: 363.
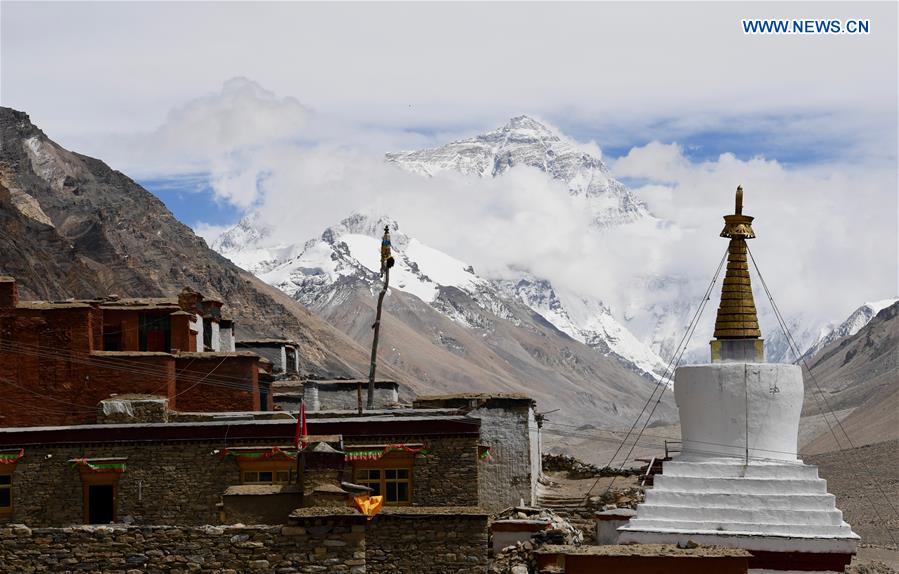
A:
x: 452, y: 329
x: 70, y: 226
x: 859, y: 375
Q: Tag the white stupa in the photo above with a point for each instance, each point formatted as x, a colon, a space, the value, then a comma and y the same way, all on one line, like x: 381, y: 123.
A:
x: 738, y: 481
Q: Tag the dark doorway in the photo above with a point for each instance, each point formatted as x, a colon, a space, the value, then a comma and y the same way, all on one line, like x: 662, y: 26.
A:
x: 101, y: 503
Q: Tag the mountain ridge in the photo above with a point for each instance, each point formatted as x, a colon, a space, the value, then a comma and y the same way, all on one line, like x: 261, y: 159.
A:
x: 72, y: 227
x: 524, y: 141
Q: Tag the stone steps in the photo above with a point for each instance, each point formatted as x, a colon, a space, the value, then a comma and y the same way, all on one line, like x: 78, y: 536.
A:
x: 714, y: 485
x: 571, y: 508
x: 733, y: 527
x: 559, y: 505
x: 734, y: 468
x: 818, y: 517
x: 733, y: 500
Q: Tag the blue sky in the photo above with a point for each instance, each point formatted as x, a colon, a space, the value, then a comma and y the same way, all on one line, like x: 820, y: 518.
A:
x: 192, y: 200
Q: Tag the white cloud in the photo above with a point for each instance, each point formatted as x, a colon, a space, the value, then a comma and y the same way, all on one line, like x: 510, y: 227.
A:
x: 826, y: 234
x: 617, y: 67
x: 383, y: 77
x: 817, y: 224
x: 209, y: 231
x: 241, y: 115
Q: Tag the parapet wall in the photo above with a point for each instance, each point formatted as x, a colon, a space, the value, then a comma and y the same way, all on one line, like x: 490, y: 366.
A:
x: 427, y: 541
x: 332, y: 545
x: 182, y: 482
x: 398, y: 541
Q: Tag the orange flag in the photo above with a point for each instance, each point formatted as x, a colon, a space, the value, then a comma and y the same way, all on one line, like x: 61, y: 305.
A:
x: 369, y: 505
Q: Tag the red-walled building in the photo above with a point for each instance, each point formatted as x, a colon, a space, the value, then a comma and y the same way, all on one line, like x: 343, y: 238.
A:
x: 58, y: 359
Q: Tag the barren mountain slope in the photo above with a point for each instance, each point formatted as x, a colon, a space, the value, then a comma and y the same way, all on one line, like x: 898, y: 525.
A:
x: 70, y: 226
x: 526, y: 355
x: 859, y: 373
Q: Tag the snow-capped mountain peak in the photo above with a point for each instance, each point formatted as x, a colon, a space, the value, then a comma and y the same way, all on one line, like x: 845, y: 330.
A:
x: 850, y: 326
x: 351, y: 249
x: 525, y: 128
x: 345, y: 256
x: 524, y: 141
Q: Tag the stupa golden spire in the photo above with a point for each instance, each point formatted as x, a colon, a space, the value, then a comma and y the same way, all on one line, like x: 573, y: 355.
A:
x: 737, y: 334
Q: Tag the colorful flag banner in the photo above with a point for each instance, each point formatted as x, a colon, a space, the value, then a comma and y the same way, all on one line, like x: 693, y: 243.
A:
x: 11, y: 457
x: 110, y: 467
x: 377, y: 453
x: 274, y: 453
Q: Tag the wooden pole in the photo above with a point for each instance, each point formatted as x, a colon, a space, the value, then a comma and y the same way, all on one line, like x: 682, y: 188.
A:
x: 374, y: 343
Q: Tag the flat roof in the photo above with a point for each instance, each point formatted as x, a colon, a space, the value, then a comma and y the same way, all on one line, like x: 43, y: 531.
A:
x: 261, y: 489
x: 267, y: 342
x: 134, y: 397
x: 348, y: 381
x: 441, y: 511
x: 645, y: 550
x: 114, y: 354
x: 395, y: 413
x: 51, y: 305
x: 281, y: 430
x: 216, y: 354
x: 516, y: 396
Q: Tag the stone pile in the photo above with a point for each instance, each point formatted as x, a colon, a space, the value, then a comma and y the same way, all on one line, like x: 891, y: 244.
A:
x: 579, y: 469
x: 618, y: 498
x: 518, y: 558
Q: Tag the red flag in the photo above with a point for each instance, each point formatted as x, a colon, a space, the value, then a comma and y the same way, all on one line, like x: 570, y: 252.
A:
x: 301, y: 426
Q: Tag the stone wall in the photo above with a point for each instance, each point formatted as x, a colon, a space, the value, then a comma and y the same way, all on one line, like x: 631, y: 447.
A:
x: 510, y: 475
x: 398, y: 541
x: 343, y: 395
x: 445, y: 476
x: 427, y: 541
x: 163, y: 484
x: 124, y: 409
x: 316, y: 544
x: 182, y: 482
x: 509, y: 428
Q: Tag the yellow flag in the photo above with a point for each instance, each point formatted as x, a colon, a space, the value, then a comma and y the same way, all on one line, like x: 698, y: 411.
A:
x: 369, y: 505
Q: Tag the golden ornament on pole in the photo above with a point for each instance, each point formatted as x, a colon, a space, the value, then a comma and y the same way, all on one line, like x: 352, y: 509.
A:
x: 737, y: 319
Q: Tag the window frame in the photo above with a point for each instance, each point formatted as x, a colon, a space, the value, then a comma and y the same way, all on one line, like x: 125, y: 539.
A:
x: 273, y: 466
x: 7, y: 510
x: 390, y: 461
x: 100, y: 479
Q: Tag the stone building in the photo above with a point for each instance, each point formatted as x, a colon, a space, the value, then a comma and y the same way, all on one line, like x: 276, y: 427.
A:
x: 59, y: 359
x: 336, y: 395
x: 176, y: 473
x: 510, y: 439
x: 139, y: 415
x: 284, y: 354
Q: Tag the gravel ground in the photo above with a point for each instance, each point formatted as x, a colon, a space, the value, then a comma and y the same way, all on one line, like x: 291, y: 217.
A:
x: 865, y: 481
x: 857, y: 477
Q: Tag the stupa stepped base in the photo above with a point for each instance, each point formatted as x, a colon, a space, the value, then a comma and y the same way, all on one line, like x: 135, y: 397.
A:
x: 779, y: 511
